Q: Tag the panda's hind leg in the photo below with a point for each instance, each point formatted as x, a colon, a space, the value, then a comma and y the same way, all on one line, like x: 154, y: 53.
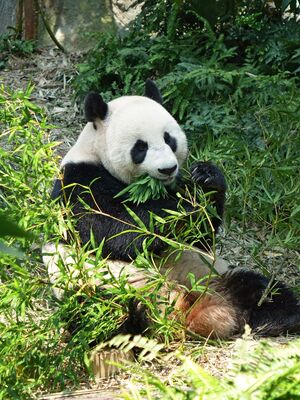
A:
x: 270, y: 307
x: 209, y: 314
x: 278, y: 313
x: 213, y: 316
x: 241, y: 297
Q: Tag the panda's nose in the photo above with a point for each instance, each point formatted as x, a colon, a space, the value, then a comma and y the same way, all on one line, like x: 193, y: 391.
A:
x: 167, y: 171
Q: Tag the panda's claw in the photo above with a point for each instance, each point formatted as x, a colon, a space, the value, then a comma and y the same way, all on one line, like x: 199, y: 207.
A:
x: 208, y: 176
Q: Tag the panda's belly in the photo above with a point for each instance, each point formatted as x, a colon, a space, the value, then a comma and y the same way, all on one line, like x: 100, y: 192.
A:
x: 200, y: 264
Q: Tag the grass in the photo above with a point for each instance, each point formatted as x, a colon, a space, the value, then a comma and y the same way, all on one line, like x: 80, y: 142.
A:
x: 258, y: 371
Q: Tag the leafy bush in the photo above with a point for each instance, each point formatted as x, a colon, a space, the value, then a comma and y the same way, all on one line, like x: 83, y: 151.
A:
x: 10, y: 43
x: 268, y: 45
x: 27, y: 167
x: 168, y: 33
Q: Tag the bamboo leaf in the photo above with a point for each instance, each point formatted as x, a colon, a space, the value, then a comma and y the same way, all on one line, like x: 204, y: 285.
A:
x: 10, y: 228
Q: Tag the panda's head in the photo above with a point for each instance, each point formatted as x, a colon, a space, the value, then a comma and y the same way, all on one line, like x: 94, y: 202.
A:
x: 131, y: 136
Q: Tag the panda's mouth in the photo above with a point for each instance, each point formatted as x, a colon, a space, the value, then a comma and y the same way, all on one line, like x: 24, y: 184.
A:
x: 167, y: 180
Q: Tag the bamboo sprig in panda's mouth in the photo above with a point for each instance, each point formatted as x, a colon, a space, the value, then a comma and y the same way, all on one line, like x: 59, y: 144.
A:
x: 143, y: 189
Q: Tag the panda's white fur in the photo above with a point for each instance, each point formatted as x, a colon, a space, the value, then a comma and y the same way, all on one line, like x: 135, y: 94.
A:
x: 59, y: 257
x: 201, y: 265
x: 131, y: 118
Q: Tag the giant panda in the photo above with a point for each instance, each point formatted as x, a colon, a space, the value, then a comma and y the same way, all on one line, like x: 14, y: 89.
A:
x: 133, y: 136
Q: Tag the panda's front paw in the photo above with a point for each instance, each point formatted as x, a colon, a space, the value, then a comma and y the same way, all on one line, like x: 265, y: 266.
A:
x: 208, y: 176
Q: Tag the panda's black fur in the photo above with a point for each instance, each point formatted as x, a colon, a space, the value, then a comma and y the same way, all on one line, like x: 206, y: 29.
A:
x: 237, y: 292
x: 104, y: 188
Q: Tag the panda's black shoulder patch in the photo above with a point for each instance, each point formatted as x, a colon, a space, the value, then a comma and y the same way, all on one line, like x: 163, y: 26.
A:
x: 152, y: 91
x: 90, y: 175
x: 94, y: 107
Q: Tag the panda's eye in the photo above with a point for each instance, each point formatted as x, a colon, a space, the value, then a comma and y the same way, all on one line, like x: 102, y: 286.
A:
x: 170, y: 141
x: 139, y: 151
x: 140, y: 145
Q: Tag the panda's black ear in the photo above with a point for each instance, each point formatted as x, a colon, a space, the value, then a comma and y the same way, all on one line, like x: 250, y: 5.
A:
x: 152, y: 91
x: 94, y: 107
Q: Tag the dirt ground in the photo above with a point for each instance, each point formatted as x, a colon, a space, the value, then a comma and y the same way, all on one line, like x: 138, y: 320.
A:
x: 51, y: 73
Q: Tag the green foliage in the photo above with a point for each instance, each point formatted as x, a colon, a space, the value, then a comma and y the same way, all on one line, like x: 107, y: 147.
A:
x: 10, y: 228
x: 259, y: 371
x: 170, y: 33
x: 10, y: 43
x: 25, y: 176
x: 268, y: 45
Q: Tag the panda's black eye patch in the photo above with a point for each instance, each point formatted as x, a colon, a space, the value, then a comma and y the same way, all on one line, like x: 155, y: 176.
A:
x: 139, y: 151
x: 170, y: 141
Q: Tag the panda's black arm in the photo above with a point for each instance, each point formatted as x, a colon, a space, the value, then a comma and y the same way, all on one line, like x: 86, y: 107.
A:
x: 111, y: 221
x: 211, y: 179
x: 111, y: 218
x: 108, y: 218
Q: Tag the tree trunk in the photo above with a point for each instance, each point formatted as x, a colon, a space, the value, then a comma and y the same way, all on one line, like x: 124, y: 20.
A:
x: 30, y: 20
x: 8, y: 9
